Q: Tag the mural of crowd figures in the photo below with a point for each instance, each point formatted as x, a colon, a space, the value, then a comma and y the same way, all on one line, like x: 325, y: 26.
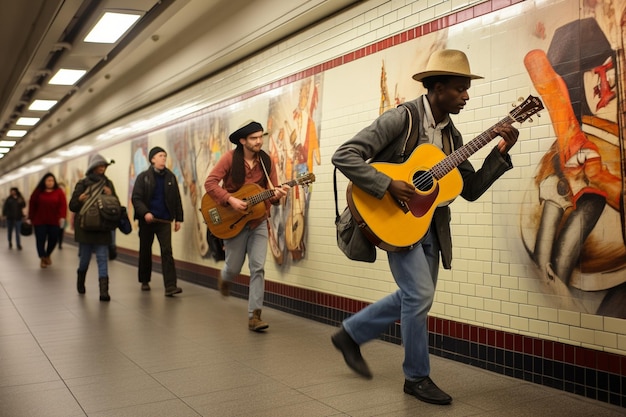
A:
x: 573, y: 219
x: 196, y: 144
x: 293, y: 136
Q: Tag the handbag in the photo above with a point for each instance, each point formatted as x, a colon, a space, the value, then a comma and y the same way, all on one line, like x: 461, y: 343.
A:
x: 125, y: 226
x: 100, y: 212
x: 26, y: 229
x: 350, y: 238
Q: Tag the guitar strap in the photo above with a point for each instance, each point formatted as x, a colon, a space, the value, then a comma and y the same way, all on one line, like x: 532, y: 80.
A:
x: 267, y: 176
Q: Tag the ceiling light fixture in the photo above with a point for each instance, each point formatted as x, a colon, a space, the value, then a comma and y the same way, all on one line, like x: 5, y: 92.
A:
x: 7, y: 143
x: 111, y: 27
x: 67, y: 76
x: 42, y: 105
x: 16, y: 133
x: 4, y: 150
x: 27, y: 121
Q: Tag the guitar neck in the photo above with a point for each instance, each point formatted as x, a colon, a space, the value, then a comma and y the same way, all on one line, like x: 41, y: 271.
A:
x: 453, y: 160
x: 264, y: 195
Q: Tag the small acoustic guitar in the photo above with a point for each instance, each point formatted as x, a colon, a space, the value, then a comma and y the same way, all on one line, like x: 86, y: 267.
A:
x: 225, y: 222
x: 393, y: 225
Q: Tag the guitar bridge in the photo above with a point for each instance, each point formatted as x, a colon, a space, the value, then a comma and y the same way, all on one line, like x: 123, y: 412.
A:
x: 214, y: 215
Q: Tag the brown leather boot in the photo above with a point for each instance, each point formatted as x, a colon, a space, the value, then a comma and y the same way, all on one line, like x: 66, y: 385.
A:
x: 255, y: 323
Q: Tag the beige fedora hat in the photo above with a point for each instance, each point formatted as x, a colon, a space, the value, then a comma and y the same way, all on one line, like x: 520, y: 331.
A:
x: 447, y: 62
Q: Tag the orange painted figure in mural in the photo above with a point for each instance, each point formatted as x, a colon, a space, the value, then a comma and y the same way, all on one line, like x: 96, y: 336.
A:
x: 575, y: 179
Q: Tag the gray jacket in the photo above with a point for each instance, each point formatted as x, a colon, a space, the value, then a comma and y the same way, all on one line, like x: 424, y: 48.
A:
x: 384, y: 140
x: 80, y: 235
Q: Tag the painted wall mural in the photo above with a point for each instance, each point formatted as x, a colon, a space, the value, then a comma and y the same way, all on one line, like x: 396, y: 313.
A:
x: 573, y: 220
x: 291, y: 118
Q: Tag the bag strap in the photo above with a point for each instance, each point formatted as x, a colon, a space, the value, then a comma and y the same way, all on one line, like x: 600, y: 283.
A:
x: 335, y: 189
x: 409, y: 143
x: 412, y: 133
x: 94, y: 191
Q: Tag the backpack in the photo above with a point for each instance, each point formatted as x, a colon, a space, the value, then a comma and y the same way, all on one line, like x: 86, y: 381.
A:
x: 100, y: 212
x: 350, y: 237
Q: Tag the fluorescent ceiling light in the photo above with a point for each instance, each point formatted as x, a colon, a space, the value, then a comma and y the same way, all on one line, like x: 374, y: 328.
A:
x: 66, y: 76
x: 111, y: 27
x: 27, y: 121
x: 1, y: 155
x: 76, y: 150
x: 16, y: 133
x: 42, y: 105
x: 8, y: 143
x: 4, y: 150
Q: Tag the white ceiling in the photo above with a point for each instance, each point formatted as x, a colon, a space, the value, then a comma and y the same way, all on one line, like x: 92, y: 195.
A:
x: 175, y: 44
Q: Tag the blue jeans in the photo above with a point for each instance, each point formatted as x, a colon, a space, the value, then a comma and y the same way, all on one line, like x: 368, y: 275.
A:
x: 102, y: 258
x: 14, y: 225
x: 415, y: 272
x: 254, y: 243
x: 46, y: 233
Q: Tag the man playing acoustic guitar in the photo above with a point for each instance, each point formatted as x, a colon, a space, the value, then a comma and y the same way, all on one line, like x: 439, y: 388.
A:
x: 447, y: 78
x: 246, y: 164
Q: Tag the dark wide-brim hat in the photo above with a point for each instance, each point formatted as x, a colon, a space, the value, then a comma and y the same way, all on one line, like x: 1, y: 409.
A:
x: 447, y: 62
x: 248, y: 128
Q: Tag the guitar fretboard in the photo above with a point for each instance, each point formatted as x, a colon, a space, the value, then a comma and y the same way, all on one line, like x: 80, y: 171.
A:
x: 262, y: 196
x: 453, y: 160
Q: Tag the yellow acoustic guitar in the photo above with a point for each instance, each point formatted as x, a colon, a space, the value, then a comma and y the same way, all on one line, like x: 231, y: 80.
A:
x: 225, y: 222
x: 393, y: 225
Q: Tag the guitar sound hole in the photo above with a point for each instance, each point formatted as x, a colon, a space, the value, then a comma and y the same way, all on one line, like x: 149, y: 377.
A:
x: 423, y: 181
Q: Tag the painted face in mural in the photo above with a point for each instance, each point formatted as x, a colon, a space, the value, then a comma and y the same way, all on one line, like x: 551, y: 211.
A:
x: 452, y: 96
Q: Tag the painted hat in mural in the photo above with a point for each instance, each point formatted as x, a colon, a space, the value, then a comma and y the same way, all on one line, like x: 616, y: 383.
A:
x: 246, y: 129
x: 447, y: 62
x: 573, y: 55
x: 97, y: 160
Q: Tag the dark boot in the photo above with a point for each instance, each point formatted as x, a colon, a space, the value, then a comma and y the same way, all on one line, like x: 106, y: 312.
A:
x: 80, y: 281
x: 104, y: 289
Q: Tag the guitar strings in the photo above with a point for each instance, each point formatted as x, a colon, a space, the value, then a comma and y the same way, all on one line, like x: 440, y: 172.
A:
x: 423, y: 181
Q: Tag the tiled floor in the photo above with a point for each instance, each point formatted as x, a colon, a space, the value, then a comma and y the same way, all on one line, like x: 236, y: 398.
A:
x: 142, y: 354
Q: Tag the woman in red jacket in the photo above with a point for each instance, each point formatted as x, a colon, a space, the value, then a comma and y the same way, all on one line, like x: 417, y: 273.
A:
x: 47, y: 210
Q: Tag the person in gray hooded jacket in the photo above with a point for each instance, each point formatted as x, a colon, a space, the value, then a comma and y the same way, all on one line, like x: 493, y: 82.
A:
x: 92, y: 241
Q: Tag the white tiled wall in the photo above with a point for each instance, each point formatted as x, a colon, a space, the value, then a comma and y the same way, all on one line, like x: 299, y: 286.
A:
x: 490, y: 285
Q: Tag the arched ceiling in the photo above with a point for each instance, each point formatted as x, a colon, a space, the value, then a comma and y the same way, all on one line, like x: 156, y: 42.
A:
x: 173, y: 45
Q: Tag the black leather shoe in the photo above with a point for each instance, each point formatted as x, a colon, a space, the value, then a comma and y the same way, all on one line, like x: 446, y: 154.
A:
x: 426, y: 390
x: 351, y: 353
x: 171, y: 291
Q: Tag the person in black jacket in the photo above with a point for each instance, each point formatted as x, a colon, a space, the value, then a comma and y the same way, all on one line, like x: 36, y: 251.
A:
x: 92, y: 241
x: 12, y: 211
x: 157, y: 203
